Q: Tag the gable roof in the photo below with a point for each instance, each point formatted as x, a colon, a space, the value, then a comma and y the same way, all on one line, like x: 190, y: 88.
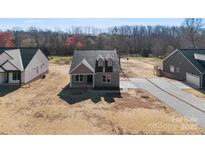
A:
x: 86, y: 64
x: 189, y: 54
x: 15, y: 58
x: 91, y: 57
x: 25, y: 53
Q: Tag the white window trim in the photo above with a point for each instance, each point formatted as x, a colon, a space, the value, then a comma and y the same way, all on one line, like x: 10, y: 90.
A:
x: 171, y: 68
x: 106, y: 78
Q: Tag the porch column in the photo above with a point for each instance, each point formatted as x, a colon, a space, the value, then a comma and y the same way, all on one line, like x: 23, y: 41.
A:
x: 93, y: 80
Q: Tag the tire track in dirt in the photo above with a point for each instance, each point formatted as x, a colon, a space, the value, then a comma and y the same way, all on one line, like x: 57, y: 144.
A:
x: 105, y: 124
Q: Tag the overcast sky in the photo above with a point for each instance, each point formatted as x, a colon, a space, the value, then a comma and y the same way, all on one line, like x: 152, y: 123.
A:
x: 66, y: 23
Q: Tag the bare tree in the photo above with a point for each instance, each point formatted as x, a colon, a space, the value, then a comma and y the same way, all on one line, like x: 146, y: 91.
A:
x: 192, y: 27
x: 139, y: 40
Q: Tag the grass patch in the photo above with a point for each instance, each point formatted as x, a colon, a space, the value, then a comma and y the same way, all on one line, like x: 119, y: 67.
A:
x: 150, y: 60
x: 195, y: 93
x: 61, y: 60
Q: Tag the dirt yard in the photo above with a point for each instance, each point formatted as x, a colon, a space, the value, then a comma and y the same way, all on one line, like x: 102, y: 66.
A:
x: 48, y: 106
x: 138, y: 67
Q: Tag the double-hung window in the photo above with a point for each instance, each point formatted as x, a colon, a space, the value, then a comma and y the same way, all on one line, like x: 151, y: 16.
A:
x: 106, y: 78
x: 79, y: 78
x: 15, y: 76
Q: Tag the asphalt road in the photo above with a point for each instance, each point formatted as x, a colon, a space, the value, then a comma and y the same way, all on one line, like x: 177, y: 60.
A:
x: 187, y: 105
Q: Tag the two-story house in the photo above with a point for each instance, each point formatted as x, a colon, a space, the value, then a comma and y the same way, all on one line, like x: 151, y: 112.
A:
x: 97, y: 69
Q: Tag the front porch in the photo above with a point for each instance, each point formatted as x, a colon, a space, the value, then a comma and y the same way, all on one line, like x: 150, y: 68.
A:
x: 84, y: 81
x: 10, y: 78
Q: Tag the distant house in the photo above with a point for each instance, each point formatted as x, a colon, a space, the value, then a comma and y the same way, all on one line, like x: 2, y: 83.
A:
x: 21, y: 65
x: 186, y: 65
x: 95, y: 69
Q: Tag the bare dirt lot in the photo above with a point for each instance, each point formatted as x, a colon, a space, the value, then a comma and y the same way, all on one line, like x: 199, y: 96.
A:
x: 138, y: 67
x: 48, y: 106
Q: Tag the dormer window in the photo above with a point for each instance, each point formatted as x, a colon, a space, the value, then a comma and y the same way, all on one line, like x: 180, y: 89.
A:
x: 109, y: 62
x: 100, y: 64
x: 100, y: 61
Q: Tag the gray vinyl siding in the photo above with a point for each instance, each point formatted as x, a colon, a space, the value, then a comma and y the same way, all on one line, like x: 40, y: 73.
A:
x: 80, y: 84
x: 114, y: 80
x: 178, y: 60
x: 98, y: 81
x: 82, y: 69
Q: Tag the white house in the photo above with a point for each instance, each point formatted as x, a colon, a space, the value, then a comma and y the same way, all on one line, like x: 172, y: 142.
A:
x: 21, y: 65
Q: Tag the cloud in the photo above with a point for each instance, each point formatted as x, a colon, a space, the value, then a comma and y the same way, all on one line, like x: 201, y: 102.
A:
x: 33, y: 21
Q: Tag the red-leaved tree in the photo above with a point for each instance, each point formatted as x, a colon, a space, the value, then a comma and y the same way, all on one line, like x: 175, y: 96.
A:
x: 6, y: 39
x: 75, y: 42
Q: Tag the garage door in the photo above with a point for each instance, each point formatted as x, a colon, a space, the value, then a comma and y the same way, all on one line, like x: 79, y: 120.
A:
x: 193, y: 79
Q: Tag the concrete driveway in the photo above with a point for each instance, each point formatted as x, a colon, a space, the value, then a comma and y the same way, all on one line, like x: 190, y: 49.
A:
x: 187, y: 104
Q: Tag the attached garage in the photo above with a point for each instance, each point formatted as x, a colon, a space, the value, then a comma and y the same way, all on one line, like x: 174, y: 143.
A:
x: 186, y: 65
x: 193, y: 79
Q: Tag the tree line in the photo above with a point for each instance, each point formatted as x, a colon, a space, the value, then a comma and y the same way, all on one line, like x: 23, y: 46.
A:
x: 140, y: 40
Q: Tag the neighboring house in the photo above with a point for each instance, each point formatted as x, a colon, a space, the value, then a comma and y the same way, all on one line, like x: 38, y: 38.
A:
x: 97, y: 69
x: 21, y: 65
x: 186, y: 65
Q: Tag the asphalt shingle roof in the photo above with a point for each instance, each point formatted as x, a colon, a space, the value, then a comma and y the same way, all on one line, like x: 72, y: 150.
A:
x: 1, y: 50
x: 91, y: 57
x: 26, y: 54
x: 189, y: 54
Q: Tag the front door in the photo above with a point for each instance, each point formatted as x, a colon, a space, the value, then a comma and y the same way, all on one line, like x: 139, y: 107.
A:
x: 89, y: 79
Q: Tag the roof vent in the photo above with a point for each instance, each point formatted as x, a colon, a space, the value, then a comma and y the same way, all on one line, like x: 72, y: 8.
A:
x: 198, y: 56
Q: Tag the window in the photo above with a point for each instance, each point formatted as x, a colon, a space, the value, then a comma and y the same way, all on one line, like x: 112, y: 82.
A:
x: 177, y: 69
x: 16, y: 76
x: 171, y: 68
x: 109, y: 62
x: 108, y: 66
x: 106, y: 78
x: 79, y: 78
x: 109, y: 79
x: 100, y: 62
